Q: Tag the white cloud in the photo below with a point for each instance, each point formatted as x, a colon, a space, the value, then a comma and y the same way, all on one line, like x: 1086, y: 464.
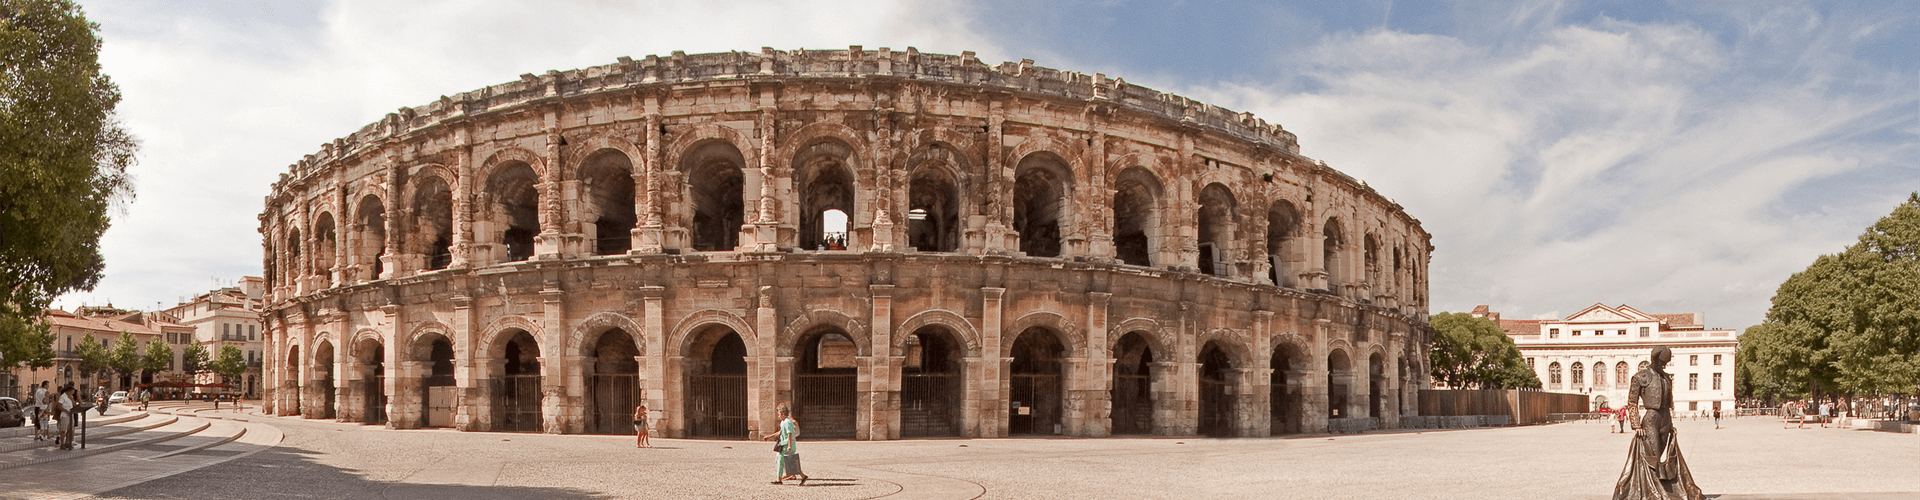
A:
x: 223, y: 98
x: 1611, y: 162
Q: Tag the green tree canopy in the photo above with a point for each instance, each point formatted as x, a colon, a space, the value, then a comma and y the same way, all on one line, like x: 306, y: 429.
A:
x: 159, y: 356
x: 229, y: 363
x: 64, y: 161
x: 1474, y: 353
x: 124, y: 356
x: 195, y: 359
x: 1849, y: 323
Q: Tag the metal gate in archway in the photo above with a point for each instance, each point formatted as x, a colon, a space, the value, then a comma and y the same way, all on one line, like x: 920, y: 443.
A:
x: 1216, y: 408
x: 614, y: 398
x: 929, y: 404
x: 826, y: 402
x: 519, y: 400
x: 375, y: 393
x: 1036, y: 405
x: 1132, y: 403
x: 717, y: 406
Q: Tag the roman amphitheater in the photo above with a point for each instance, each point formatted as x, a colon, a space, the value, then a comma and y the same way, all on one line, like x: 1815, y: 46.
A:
x: 1025, y: 251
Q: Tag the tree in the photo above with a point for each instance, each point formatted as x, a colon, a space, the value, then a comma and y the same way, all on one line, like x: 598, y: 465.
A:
x: 230, y: 363
x: 159, y: 356
x: 124, y: 356
x: 1474, y: 353
x: 1849, y: 323
x: 93, y: 357
x: 194, y: 360
x: 64, y: 159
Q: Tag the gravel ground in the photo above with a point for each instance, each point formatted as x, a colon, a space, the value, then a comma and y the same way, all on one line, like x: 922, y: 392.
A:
x: 1751, y: 458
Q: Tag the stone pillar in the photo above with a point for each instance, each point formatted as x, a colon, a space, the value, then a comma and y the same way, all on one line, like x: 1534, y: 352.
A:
x: 766, y: 374
x: 472, y: 408
x: 656, y: 388
x: 1096, y: 377
x: 766, y: 226
x: 1313, y: 383
x: 1259, y: 394
x: 342, y: 376
x: 1000, y: 237
x: 650, y: 236
x: 550, y: 244
x: 396, y: 207
x: 1166, y: 396
x: 407, y: 408
x: 993, y: 393
x: 559, y: 368
x: 462, y: 192
x: 881, y: 391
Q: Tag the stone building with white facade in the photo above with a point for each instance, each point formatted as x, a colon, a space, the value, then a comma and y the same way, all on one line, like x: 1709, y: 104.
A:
x: 1030, y: 252
x: 1596, y: 352
x: 229, y: 316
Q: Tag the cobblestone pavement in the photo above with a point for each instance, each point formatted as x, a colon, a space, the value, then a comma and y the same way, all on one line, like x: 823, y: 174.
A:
x: 1751, y: 458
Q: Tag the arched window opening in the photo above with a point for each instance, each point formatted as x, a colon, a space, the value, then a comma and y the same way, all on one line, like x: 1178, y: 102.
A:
x: 606, y: 180
x: 933, y: 213
x: 1376, y: 385
x: 1579, y: 375
x: 826, y: 184
x: 432, y: 235
x: 1553, y: 375
x: 1037, y: 383
x: 1132, y: 392
x: 716, y: 395
x: 1040, y: 189
x: 1620, y: 373
x: 1600, y: 375
x: 1218, y: 217
x: 373, y: 236
x: 613, y: 387
x: 294, y: 264
x: 1216, y: 392
x: 1283, y: 226
x: 1371, y: 255
x: 715, y: 205
x: 1136, y: 216
x: 826, y: 383
x: 323, y: 378
x: 371, y: 359
x: 290, y: 372
x: 514, y: 210
x: 325, y: 240
x: 1330, y: 253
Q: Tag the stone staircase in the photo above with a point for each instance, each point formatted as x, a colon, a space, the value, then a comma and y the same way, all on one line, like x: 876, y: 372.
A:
x: 187, y: 434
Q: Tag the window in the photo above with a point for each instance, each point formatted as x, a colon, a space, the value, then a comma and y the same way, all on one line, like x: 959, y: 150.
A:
x: 1620, y: 373
x: 1553, y: 373
x: 1623, y: 331
x: 1529, y: 363
x: 1716, y: 405
x: 1693, y: 406
x: 1600, y: 375
x: 226, y: 330
x: 1693, y: 360
x: 1553, y: 333
x: 1716, y: 360
x: 1579, y: 374
x: 1646, y: 332
x: 1576, y: 333
x: 1693, y: 381
x: 250, y: 332
x: 1716, y: 381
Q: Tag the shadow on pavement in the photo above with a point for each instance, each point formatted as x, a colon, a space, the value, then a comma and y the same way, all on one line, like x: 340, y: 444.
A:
x: 286, y: 472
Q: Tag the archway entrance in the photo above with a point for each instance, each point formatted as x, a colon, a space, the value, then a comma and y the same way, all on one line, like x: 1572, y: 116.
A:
x: 1216, y: 392
x: 373, y: 377
x: 517, y: 390
x: 613, y: 389
x: 930, y: 393
x: 1035, y: 384
x: 292, y: 383
x: 825, y: 384
x: 1376, y: 386
x: 323, y: 368
x: 438, y: 383
x: 1132, y: 385
x: 1284, y: 399
x: 1337, y: 375
x: 716, y: 397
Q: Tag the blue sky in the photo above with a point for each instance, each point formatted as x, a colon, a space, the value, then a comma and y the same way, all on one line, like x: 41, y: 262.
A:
x: 1675, y: 156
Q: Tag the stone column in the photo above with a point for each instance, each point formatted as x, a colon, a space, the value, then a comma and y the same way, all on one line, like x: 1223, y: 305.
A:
x: 650, y: 236
x: 550, y: 244
x: 559, y: 368
x: 472, y: 408
x: 882, y: 385
x: 654, y: 360
x: 766, y: 375
x: 462, y: 192
x: 1096, y: 379
x: 396, y: 207
x: 1000, y: 237
x: 1259, y: 380
x: 1165, y: 392
x: 407, y: 408
x: 993, y: 390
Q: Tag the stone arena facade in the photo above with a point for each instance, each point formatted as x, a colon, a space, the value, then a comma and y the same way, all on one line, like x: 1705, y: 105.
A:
x: 1028, y: 252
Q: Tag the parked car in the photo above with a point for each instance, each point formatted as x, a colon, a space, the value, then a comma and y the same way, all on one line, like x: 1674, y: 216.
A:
x: 12, y: 413
x: 117, y: 397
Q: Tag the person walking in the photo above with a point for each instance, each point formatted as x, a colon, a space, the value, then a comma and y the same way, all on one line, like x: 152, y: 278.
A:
x: 1620, y: 418
x: 640, y: 425
x: 783, y: 444
x: 146, y: 398
x: 1716, y: 417
x: 63, y: 410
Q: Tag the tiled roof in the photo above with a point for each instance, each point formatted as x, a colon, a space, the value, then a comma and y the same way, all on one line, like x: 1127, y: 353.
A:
x: 1520, y: 326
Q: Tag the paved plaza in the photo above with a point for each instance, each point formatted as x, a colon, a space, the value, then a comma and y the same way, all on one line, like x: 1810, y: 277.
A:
x: 1750, y: 458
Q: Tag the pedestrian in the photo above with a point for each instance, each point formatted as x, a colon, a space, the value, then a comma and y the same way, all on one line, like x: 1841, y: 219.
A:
x: 146, y: 398
x: 37, y: 410
x: 783, y: 444
x: 1825, y: 410
x: 1620, y: 417
x: 640, y: 425
x: 1716, y: 417
x: 63, y: 410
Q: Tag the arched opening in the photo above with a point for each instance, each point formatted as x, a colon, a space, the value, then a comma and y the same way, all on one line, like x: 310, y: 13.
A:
x: 1376, y: 385
x: 825, y: 385
x: 1579, y: 375
x: 933, y: 210
x: 613, y: 389
x: 512, y: 210
x: 1283, y: 226
x: 833, y: 230
x: 1330, y: 245
x: 294, y: 264
x: 517, y: 390
x: 1370, y: 253
x: 606, y: 182
x: 1284, y: 402
x: 1041, y: 186
x: 323, y: 379
x: 432, y: 235
x: 826, y: 184
x: 716, y: 207
x: 1132, y: 385
x: 437, y: 384
x: 1218, y: 217
x: 1553, y: 375
x: 716, y: 396
x: 1216, y: 392
x: 325, y: 239
x: 930, y: 384
x: 1339, y: 373
x: 1036, y: 383
x: 1136, y: 216
x: 1600, y: 376
x: 291, y: 382
x: 373, y: 236
x: 1620, y: 374
x: 371, y: 359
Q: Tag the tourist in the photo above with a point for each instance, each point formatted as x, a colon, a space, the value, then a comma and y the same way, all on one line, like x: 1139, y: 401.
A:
x: 783, y: 444
x: 146, y: 398
x: 1716, y: 417
x: 1825, y: 410
x: 1620, y: 417
x: 38, y: 411
x: 640, y: 425
x: 63, y: 410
